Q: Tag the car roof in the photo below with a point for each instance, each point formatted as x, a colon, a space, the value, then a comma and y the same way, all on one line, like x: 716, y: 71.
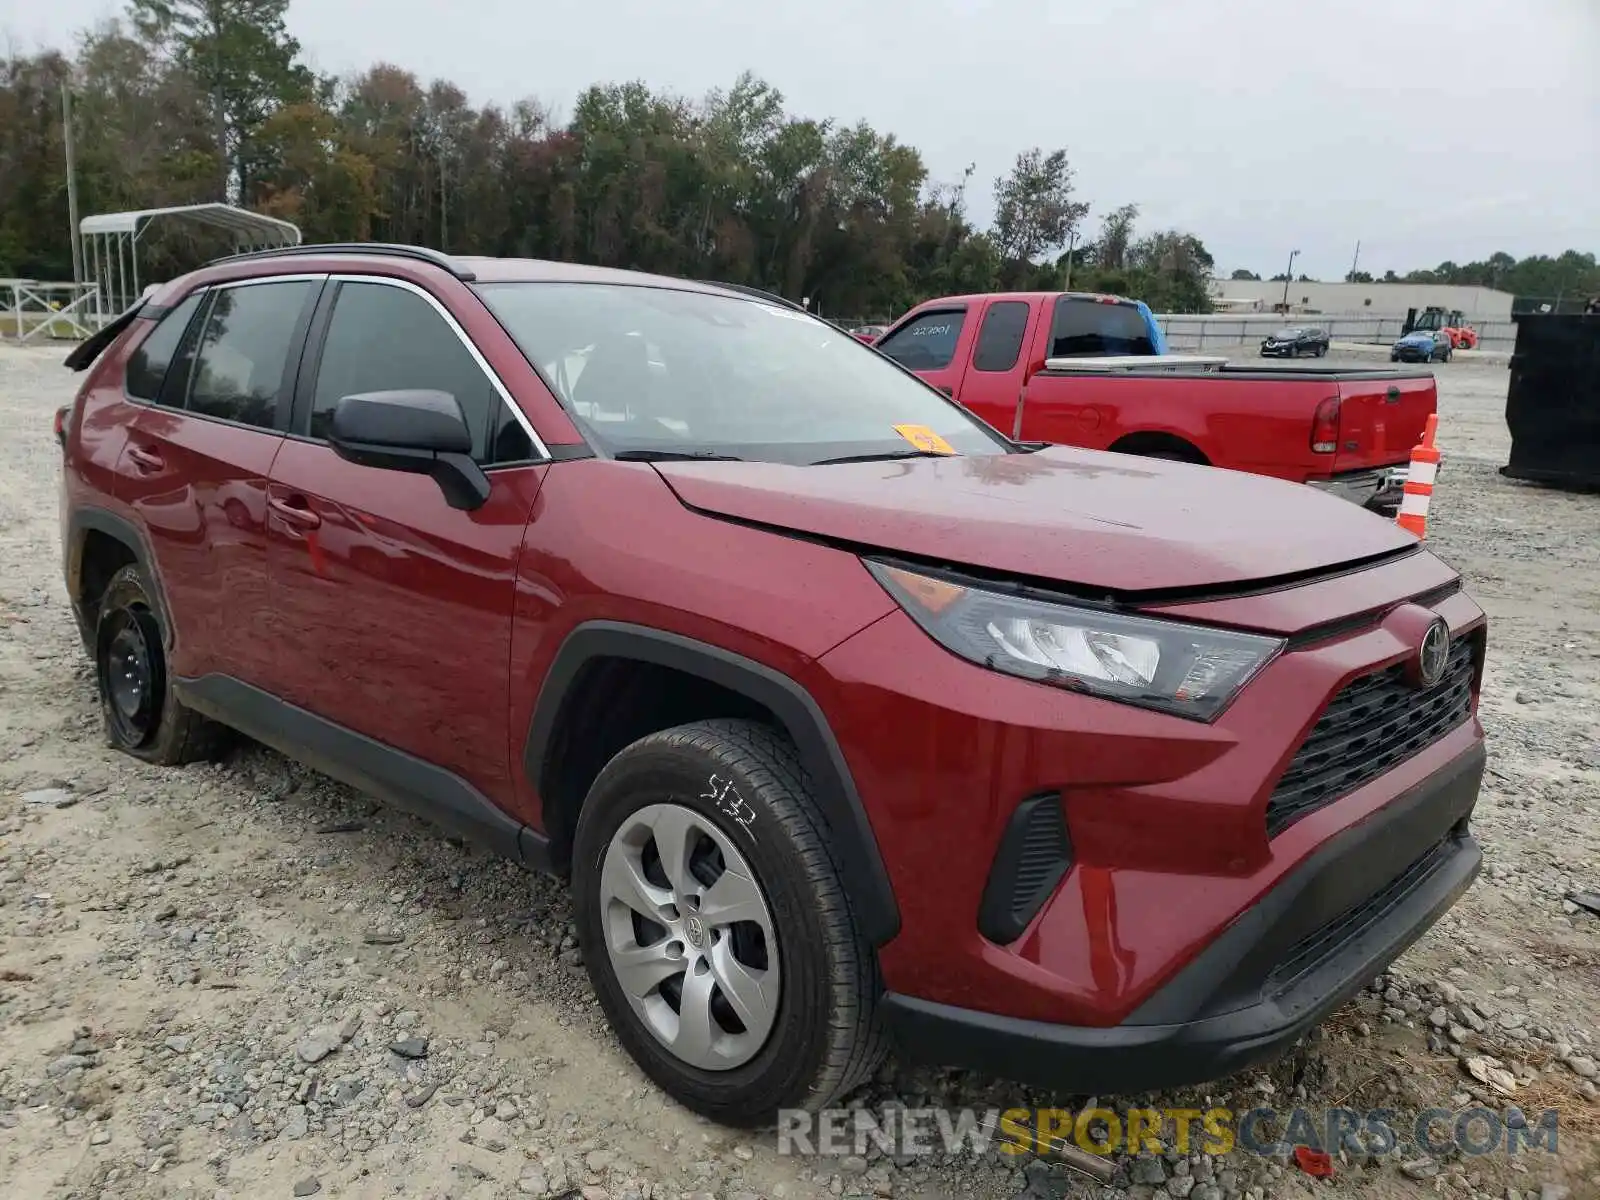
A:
x: 415, y: 261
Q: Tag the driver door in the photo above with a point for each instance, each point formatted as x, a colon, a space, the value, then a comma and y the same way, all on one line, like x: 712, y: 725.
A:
x: 393, y: 609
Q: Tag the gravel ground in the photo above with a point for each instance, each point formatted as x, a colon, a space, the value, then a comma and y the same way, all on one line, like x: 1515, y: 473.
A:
x: 244, y: 980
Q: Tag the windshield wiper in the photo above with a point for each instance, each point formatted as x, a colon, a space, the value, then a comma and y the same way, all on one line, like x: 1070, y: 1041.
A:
x: 673, y: 456
x: 881, y: 456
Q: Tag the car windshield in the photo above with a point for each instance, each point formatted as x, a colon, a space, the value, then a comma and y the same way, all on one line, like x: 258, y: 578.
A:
x: 649, y: 370
x: 1284, y: 334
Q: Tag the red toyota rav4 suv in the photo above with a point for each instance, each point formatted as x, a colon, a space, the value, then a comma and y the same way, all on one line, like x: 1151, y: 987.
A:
x: 850, y: 719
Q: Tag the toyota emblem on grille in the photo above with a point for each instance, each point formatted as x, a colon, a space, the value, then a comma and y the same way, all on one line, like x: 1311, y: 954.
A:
x: 1434, y: 654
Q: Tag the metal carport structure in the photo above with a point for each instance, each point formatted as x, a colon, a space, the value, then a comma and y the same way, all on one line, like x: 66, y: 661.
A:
x: 110, y: 244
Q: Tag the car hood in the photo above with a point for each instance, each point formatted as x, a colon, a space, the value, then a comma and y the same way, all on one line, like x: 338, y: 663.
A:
x: 1100, y: 521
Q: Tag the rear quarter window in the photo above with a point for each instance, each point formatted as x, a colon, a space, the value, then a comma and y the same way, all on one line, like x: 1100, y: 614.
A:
x: 147, y: 365
x: 926, y: 342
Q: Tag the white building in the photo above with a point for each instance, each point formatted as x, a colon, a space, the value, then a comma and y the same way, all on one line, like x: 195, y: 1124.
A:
x: 1360, y: 299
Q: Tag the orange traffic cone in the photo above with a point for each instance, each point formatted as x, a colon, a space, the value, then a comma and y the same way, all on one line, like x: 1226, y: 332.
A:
x: 1418, y: 492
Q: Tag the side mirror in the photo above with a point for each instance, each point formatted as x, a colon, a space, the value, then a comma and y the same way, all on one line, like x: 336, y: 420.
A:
x: 419, y: 431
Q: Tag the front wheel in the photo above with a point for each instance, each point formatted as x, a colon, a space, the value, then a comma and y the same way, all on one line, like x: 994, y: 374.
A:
x: 715, y: 928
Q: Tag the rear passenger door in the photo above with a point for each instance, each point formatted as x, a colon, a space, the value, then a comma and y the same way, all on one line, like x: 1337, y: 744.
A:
x: 212, y: 383
x: 993, y: 383
x: 392, y: 609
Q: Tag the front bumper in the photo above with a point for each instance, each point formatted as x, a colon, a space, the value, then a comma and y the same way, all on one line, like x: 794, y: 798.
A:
x: 1328, y: 928
x: 1377, y: 488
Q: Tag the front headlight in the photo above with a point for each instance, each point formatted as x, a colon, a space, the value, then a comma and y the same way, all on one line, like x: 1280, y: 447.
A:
x: 1187, y: 670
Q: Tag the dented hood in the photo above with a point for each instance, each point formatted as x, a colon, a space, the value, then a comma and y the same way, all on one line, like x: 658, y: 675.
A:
x: 1083, y: 518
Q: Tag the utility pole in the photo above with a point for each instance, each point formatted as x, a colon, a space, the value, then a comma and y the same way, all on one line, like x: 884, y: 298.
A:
x: 1287, y: 276
x: 1072, y: 241
x: 72, y: 180
x: 1356, y: 259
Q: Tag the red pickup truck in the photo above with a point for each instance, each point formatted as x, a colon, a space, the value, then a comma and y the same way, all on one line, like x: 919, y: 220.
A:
x: 1020, y: 362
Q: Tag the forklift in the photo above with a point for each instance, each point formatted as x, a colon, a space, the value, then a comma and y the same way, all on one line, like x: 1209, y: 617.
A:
x: 1453, y: 324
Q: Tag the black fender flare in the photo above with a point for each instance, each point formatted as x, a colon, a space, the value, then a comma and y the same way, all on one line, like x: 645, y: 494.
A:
x: 80, y: 523
x: 866, y: 880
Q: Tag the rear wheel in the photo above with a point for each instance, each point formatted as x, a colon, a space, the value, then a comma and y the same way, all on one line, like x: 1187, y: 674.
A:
x: 142, y: 715
x: 715, y: 928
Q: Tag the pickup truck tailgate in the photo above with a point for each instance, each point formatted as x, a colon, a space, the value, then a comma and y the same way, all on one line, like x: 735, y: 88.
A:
x: 1380, y: 420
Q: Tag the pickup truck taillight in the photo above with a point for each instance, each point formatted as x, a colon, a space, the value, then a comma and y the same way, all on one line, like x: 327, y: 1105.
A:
x: 1325, y: 427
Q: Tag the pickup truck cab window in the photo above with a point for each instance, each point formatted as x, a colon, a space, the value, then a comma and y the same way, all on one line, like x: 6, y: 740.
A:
x: 421, y: 351
x: 654, y: 371
x: 1000, y: 336
x: 926, y: 343
x: 1083, y: 327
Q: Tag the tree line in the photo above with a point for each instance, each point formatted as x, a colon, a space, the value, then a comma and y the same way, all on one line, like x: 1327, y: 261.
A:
x: 1572, y: 275
x: 186, y: 101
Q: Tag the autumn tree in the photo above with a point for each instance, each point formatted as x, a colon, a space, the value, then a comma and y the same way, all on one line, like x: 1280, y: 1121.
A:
x: 1034, y: 210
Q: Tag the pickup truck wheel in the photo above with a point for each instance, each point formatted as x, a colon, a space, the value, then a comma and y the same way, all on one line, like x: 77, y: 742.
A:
x: 715, y: 928
x: 142, y: 716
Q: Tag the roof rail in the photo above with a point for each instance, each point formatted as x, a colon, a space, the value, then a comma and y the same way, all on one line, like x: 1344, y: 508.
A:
x: 379, y: 249
x: 757, y: 293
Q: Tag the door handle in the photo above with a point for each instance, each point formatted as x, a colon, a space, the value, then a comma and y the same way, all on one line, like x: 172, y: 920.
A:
x: 294, y: 513
x: 147, y: 459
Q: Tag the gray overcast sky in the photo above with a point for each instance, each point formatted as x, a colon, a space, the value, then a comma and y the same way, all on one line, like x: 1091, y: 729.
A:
x: 1426, y: 130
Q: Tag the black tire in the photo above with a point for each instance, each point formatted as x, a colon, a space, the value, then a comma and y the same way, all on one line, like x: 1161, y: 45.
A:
x: 143, y: 717
x: 826, y: 1039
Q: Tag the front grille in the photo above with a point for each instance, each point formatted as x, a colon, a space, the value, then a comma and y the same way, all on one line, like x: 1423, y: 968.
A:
x: 1320, y: 944
x: 1377, y: 722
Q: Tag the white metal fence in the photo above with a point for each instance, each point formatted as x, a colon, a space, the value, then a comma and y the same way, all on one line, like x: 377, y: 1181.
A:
x: 1187, y: 331
x: 34, y: 311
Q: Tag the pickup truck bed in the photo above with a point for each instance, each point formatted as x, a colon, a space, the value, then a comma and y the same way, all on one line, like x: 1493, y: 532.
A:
x: 1009, y: 360
x: 1249, y: 418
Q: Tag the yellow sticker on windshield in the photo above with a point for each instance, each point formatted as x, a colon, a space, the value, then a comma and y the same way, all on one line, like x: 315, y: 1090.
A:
x: 924, y: 438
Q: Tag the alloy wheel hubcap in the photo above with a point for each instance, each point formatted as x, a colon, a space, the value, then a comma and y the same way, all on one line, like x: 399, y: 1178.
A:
x: 690, y: 936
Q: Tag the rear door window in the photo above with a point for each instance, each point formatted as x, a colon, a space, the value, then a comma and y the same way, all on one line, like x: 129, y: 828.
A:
x: 1088, y: 328
x: 148, y: 364
x: 1000, y: 336
x: 926, y: 342
x: 244, y: 351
